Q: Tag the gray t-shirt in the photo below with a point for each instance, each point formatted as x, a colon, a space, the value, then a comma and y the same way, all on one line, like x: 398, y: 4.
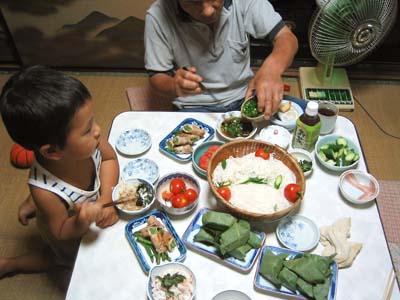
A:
x: 221, y: 56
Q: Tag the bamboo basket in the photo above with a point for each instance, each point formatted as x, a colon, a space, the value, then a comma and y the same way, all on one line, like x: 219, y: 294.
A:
x: 241, y: 148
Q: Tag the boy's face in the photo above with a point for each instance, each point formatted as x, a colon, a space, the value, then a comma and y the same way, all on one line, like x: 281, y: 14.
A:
x: 204, y: 11
x: 83, y: 137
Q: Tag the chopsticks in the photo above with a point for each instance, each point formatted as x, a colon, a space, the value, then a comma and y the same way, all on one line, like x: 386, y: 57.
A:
x: 202, y: 86
x: 118, y: 202
x: 387, y: 293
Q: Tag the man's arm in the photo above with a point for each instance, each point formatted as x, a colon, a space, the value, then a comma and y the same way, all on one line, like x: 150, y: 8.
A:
x: 183, y: 83
x: 268, y: 80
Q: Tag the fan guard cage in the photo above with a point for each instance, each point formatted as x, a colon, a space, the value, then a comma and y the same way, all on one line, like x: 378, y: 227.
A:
x: 343, y: 32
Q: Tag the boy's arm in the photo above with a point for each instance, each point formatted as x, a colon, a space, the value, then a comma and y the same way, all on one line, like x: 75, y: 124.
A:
x: 61, y: 225
x: 109, y: 173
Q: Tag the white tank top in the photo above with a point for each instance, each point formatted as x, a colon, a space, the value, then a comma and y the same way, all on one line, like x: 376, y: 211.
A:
x: 40, y: 177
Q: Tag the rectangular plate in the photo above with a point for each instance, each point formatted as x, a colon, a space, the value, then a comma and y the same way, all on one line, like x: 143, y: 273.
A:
x: 210, y: 251
x: 179, y: 252
x: 209, y: 133
x: 263, y: 285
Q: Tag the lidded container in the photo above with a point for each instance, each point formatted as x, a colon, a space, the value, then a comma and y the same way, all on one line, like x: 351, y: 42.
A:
x: 308, y: 126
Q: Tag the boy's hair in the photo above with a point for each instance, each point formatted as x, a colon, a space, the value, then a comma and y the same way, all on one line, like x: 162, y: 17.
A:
x: 37, y: 105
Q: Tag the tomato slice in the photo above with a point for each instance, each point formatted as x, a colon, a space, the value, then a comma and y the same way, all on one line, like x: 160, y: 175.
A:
x: 203, y: 162
x: 225, y: 192
x: 213, y: 148
x: 166, y: 195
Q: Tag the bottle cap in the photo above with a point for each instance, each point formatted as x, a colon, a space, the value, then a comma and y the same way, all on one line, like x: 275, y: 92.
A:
x: 312, y: 108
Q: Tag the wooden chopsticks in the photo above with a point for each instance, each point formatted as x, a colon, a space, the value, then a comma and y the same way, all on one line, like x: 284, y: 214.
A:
x: 118, y: 202
x: 387, y: 293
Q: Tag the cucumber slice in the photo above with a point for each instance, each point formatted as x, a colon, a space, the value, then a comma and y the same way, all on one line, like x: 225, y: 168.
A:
x: 278, y: 181
x: 341, y: 141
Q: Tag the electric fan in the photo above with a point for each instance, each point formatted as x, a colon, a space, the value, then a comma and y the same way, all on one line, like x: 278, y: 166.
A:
x: 341, y: 33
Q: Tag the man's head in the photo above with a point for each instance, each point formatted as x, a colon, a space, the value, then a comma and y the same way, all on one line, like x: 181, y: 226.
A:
x: 37, y: 105
x: 204, y: 11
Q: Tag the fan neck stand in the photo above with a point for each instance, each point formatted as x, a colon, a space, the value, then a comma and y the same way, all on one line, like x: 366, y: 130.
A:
x: 325, y: 83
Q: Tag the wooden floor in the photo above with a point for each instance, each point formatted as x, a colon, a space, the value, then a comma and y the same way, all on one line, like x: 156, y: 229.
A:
x: 380, y: 98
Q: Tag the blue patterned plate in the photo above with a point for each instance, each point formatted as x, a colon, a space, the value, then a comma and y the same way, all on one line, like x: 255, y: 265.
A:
x: 298, y: 233
x: 133, y: 142
x: 243, y: 266
x: 141, y: 168
x: 209, y: 133
x: 178, y: 254
x: 263, y: 285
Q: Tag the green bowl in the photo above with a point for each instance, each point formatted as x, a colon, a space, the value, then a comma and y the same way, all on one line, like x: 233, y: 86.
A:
x: 198, y: 152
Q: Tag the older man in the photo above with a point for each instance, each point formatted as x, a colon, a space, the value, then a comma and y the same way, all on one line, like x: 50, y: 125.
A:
x: 198, y: 52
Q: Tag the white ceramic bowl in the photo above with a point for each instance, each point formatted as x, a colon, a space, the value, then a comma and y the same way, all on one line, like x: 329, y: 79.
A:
x: 332, y: 138
x: 276, y: 135
x: 287, y: 119
x: 234, y: 114
x: 231, y: 295
x: 302, y: 155
x: 171, y: 268
x: 163, y: 185
x: 358, y: 187
x: 116, y: 195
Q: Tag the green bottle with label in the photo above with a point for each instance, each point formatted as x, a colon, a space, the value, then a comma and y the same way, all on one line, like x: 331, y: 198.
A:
x: 307, y: 129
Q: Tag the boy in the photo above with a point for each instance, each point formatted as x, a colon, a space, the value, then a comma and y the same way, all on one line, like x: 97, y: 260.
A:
x: 74, y: 170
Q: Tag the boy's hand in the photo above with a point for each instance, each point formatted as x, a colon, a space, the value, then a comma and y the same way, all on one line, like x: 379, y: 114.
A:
x: 88, y: 212
x: 108, y: 216
x: 26, y: 211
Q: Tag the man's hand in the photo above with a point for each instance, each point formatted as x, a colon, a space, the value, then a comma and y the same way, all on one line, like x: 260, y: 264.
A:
x: 186, y: 82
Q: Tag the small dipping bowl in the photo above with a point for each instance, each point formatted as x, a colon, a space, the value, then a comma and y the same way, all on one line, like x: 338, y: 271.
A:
x: 358, y: 187
x: 163, y: 185
x: 303, y: 155
x: 231, y: 115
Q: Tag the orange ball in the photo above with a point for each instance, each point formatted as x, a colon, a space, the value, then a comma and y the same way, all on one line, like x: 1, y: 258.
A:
x: 21, y: 157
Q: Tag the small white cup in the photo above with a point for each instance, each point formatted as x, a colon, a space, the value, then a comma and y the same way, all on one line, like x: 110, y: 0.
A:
x: 328, y: 113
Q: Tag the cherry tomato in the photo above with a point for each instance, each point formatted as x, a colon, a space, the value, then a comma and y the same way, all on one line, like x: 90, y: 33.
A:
x: 166, y: 195
x: 179, y: 201
x: 177, y: 186
x: 292, y: 192
x: 225, y: 192
x: 263, y: 153
x: 191, y: 194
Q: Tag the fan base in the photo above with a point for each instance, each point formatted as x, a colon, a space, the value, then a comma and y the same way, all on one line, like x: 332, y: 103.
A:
x: 326, y: 84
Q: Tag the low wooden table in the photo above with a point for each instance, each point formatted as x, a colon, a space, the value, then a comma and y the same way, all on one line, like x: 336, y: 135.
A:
x: 106, y: 266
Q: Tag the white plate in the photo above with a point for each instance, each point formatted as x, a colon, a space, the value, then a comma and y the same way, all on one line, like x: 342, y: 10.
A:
x: 133, y: 142
x: 298, y: 233
x: 358, y: 186
x: 231, y: 295
x: 141, y: 168
x: 276, y: 135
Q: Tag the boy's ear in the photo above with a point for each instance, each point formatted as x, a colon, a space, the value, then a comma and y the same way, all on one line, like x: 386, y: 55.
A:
x: 50, y: 152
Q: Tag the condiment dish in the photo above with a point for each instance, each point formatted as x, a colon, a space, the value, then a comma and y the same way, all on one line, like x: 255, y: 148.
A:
x: 239, y: 129
x: 132, y: 188
x: 288, y: 118
x: 358, y: 187
x: 163, y: 187
x: 276, y: 135
x: 231, y: 295
x: 304, y: 159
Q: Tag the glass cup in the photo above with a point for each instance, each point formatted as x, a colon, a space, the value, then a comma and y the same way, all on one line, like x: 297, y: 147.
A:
x: 328, y: 113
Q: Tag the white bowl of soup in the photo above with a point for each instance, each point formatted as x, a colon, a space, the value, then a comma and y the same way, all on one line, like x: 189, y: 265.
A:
x: 232, y: 126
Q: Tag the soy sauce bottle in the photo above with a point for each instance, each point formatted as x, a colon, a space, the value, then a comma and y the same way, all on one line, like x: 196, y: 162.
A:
x: 307, y: 129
